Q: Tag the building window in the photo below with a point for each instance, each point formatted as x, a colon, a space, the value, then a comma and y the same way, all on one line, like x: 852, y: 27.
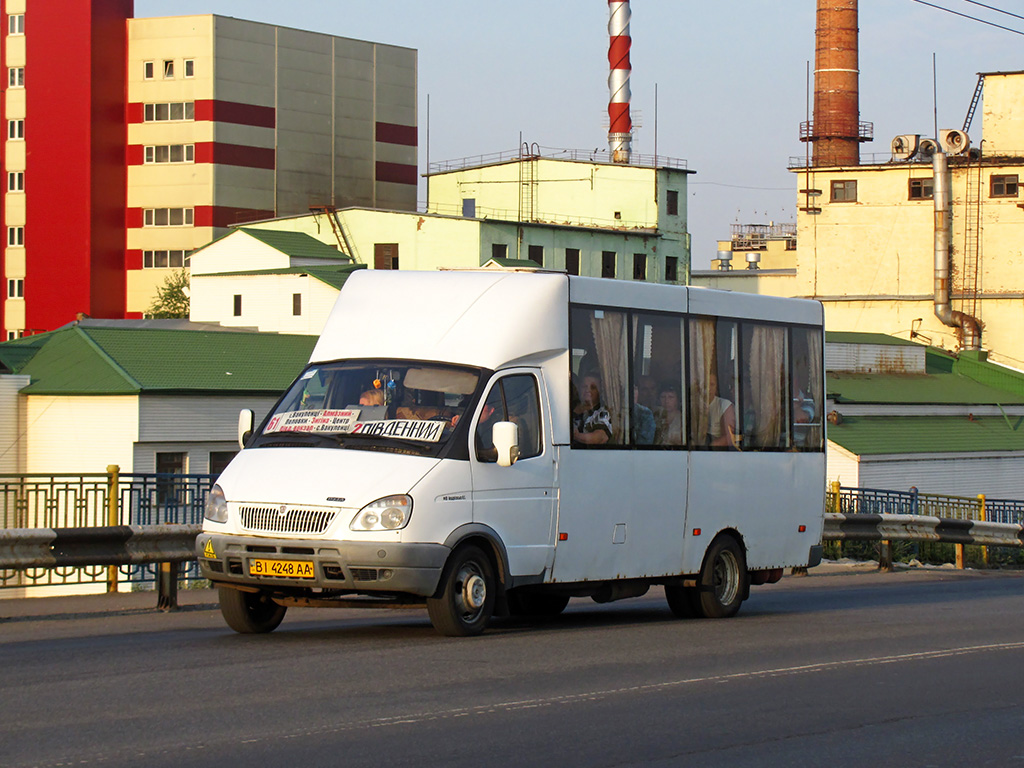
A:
x: 790, y: 243
x: 219, y: 461
x: 572, y: 261
x: 16, y: 129
x: 12, y: 335
x: 844, y: 191
x: 166, y: 487
x: 671, y: 269
x: 639, y: 266
x: 469, y: 207
x: 190, y: 67
x: 16, y: 24
x: 1003, y: 185
x: 162, y: 259
x: 170, y: 153
x: 15, y: 235
x: 16, y: 288
x: 921, y: 189
x: 672, y: 202
x: 16, y: 77
x: 536, y: 253
x: 165, y: 111
x: 15, y: 181
x: 499, y: 250
x: 147, y: 70
x: 607, y: 263
x: 385, y: 255
x: 237, y: 310
x: 296, y: 304
x: 168, y: 68
x: 167, y: 217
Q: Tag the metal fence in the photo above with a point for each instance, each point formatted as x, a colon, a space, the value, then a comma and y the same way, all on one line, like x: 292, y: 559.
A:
x: 873, y: 501
x: 93, y: 500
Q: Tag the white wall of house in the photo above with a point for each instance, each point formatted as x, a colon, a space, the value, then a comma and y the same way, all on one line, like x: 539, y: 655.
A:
x: 170, y: 418
x: 197, y: 454
x: 267, y: 302
x: 80, y: 433
x: 998, y: 475
x: 12, y: 424
x: 841, y: 465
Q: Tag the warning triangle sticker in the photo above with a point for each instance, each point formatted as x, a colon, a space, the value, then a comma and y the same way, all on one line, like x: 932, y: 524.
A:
x: 208, y: 549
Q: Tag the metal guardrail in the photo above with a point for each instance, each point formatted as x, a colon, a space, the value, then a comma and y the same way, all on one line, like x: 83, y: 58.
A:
x: 93, y: 501
x: 899, y: 527
x: 860, y: 501
x: 554, y: 153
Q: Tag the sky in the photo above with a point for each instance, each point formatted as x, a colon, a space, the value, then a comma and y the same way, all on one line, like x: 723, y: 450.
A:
x: 731, y: 78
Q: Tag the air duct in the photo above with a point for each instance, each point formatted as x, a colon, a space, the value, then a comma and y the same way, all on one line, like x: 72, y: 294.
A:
x: 969, y: 329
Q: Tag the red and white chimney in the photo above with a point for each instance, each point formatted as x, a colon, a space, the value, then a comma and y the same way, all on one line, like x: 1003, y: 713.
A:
x: 620, y: 127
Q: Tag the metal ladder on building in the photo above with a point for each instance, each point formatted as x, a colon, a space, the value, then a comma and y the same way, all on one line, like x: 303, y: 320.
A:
x: 972, y: 240
x: 974, y: 102
x: 344, y: 243
x: 528, y: 155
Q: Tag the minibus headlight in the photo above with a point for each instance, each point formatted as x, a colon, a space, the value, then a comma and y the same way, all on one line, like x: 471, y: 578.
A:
x: 216, y: 506
x: 387, y: 514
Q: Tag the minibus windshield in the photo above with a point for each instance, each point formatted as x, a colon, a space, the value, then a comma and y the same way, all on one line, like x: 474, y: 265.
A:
x: 376, y: 405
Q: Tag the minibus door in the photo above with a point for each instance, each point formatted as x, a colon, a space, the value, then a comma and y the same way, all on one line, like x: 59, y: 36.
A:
x: 517, y: 502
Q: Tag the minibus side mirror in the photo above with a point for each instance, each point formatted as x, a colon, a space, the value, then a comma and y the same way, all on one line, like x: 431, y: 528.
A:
x: 505, y: 435
x: 245, y: 420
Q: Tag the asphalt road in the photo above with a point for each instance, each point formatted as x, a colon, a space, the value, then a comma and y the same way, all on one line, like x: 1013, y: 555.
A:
x: 852, y: 669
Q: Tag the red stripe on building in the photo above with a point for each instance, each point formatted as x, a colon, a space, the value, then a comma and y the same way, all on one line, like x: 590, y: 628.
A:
x: 391, y: 133
x: 223, y: 216
x: 133, y: 258
x: 133, y: 218
x: 234, y: 112
x: 211, y: 110
x: 397, y: 173
x: 235, y: 154
x: 135, y: 154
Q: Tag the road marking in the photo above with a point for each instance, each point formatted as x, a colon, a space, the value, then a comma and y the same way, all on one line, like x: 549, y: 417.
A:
x: 574, y: 698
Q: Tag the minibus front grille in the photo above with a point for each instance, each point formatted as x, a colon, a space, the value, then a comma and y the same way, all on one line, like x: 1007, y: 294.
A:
x: 286, y: 519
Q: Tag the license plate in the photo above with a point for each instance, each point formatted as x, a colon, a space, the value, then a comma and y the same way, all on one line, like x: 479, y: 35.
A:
x: 290, y: 569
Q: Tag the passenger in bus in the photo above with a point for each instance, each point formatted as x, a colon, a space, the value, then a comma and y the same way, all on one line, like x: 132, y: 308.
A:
x: 372, y: 397
x: 721, y: 423
x: 648, y: 394
x: 643, y: 424
x: 670, y: 416
x: 591, y: 422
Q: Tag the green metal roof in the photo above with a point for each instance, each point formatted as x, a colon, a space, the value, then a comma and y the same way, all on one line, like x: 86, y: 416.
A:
x: 333, y: 276
x: 16, y: 353
x: 876, y: 435
x: 93, y: 361
x: 296, y: 244
x: 853, y: 337
x: 505, y: 261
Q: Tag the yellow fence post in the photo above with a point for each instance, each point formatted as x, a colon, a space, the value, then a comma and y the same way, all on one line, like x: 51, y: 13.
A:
x: 113, y: 518
x: 984, y: 549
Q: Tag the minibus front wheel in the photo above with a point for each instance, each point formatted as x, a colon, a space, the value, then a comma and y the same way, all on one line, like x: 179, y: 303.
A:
x: 468, y: 589
x: 249, y: 613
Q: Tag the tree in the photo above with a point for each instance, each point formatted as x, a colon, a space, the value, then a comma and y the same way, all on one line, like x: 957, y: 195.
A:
x: 171, y: 297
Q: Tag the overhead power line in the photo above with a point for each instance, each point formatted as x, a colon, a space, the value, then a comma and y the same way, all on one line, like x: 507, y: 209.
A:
x: 972, y: 18
x: 993, y: 8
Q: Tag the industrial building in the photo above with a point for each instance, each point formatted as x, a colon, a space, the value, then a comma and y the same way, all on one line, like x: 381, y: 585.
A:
x: 169, y: 130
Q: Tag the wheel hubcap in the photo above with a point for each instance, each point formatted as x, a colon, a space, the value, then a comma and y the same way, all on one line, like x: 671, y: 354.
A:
x: 726, y: 578
x: 474, y: 592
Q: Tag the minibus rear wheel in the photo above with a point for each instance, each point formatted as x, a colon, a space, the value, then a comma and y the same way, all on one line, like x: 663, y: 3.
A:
x: 249, y: 612
x: 468, y: 589
x: 722, y: 585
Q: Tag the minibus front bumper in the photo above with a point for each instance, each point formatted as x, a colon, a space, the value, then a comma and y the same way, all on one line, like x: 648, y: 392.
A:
x: 413, y: 569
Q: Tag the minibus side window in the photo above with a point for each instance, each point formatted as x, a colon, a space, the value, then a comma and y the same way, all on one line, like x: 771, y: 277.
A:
x: 600, y: 401
x: 764, y: 387
x: 512, y: 398
x: 714, y: 369
x: 658, y: 417
x: 805, y: 377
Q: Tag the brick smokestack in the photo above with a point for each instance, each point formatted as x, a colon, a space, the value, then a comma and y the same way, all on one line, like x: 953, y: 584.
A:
x: 836, y: 130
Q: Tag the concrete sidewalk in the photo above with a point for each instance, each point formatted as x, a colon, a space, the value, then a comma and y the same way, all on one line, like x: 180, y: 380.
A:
x: 117, y: 603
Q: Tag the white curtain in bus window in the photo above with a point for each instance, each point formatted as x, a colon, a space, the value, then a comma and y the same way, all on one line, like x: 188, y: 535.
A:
x: 764, y: 386
x: 714, y: 382
x: 609, y: 329
x: 657, y: 408
x: 808, y: 401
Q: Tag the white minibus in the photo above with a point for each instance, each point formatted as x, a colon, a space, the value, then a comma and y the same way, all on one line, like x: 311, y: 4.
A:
x: 495, y: 442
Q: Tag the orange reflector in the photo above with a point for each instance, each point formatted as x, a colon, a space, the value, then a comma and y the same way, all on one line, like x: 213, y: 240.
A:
x: 696, y: 531
x: 802, y: 528
x: 563, y: 537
